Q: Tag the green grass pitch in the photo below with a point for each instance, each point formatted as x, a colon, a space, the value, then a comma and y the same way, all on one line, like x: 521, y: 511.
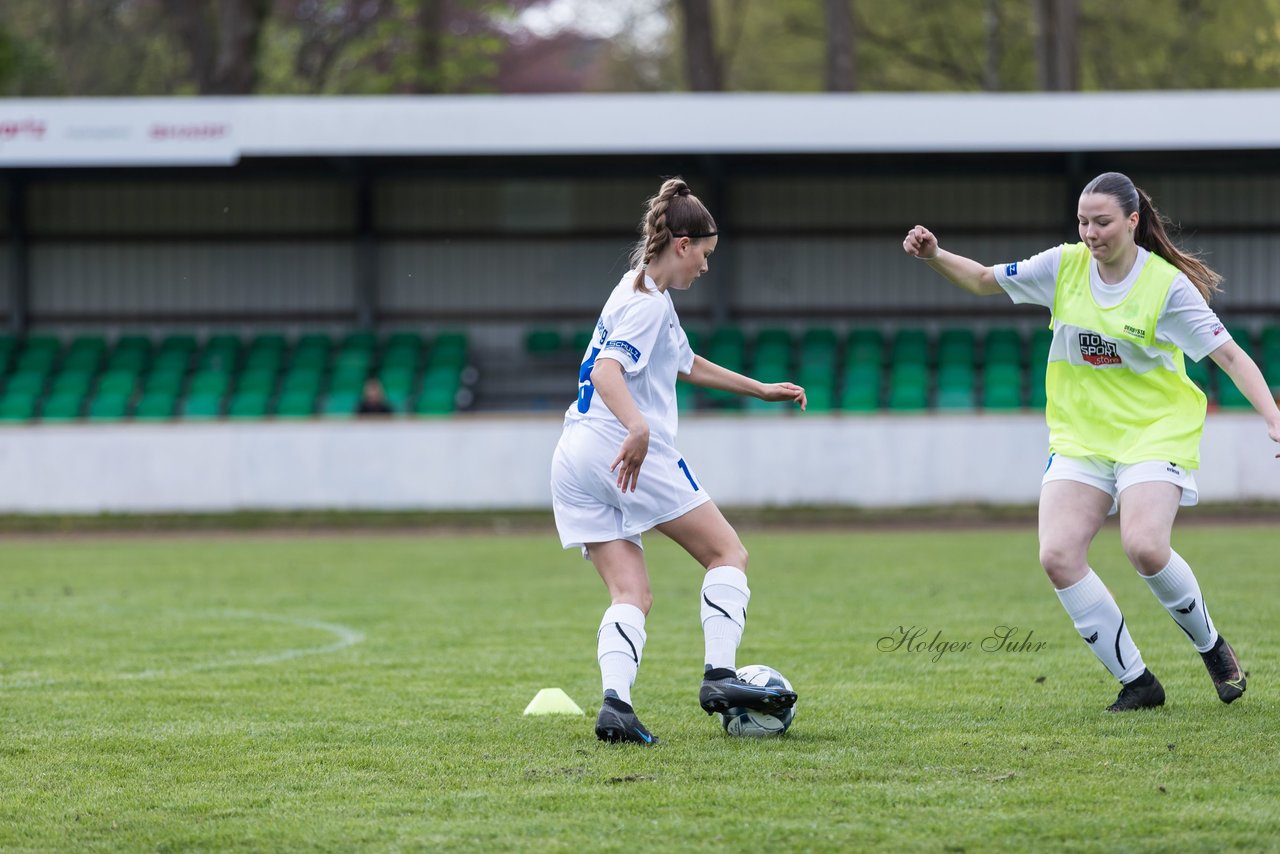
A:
x: 365, y: 692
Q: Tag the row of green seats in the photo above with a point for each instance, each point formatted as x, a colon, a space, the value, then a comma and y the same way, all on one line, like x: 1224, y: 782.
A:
x: 317, y: 372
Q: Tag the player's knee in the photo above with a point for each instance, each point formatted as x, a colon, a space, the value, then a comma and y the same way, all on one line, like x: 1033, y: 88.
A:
x: 735, y: 555
x: 1148, y: 554
x: 1059, y: 562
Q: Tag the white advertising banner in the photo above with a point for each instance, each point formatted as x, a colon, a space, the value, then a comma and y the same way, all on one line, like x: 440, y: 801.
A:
x: 489, y: 462
x: 218, y: 130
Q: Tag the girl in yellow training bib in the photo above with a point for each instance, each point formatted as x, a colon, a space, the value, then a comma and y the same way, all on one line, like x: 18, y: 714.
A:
x: 1124, y: 420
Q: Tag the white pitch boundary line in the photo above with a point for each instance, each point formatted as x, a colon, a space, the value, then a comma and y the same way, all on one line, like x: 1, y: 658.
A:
x: 346, y: 637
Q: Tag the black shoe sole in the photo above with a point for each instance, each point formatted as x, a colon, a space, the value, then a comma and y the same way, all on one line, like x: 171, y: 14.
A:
x: 767, y: 703
x: 622, y: 736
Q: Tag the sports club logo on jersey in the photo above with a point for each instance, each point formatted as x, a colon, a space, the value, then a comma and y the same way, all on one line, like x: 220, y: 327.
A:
x: 1217, y: 329
x: 1098, y: 351
x: 624, y: 347
x: 1011, y: 269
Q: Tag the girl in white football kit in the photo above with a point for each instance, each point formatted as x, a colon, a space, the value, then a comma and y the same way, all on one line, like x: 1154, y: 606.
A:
x: 625, y: 419
x: 1124, y: 420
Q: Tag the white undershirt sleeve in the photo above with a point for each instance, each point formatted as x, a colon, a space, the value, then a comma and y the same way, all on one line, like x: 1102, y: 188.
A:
x: 1031, y: 281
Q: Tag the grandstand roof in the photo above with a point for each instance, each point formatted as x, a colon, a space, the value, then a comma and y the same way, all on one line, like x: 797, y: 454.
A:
x: 212, y: 131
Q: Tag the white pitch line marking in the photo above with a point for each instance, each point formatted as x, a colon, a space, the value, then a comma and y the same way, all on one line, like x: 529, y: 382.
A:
x: 346, y: 637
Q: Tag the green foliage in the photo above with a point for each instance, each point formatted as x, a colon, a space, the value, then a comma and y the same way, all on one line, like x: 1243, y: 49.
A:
x: 368, y: 47
x: 214, y: 693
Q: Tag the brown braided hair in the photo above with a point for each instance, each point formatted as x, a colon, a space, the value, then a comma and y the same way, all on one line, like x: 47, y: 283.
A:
x: 1152, y: 231
x: 674, y: 212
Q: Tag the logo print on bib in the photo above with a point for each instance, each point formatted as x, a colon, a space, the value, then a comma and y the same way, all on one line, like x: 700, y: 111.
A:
x: 1097, y: 350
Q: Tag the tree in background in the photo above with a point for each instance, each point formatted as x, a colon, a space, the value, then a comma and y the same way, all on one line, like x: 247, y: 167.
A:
x: 1058, y: 44
x: 841, y: 68
x: 367, y: 47
x: 221, y: 39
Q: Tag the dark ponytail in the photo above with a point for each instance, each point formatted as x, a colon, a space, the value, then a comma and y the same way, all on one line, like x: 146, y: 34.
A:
x: 1152, y: 232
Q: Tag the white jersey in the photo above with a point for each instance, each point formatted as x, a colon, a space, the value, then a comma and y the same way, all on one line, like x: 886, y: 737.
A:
x: 641, y: 331
x: 1185, y: 320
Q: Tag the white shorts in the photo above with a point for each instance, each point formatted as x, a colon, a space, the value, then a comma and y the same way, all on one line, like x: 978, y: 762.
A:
x: 590, y: 508
x: 1114, y: 478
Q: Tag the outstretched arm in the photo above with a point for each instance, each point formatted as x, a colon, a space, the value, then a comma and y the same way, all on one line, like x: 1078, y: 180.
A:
x: 710, y: 375
x: 1244, y: 372
x: 959, y: 270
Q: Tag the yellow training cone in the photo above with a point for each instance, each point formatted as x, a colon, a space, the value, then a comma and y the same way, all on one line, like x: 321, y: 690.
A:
x: 552, y: 701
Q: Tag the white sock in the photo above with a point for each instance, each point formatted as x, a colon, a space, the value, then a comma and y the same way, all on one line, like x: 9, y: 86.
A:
x: 1178, y: 591
x: 1097, y: 618
x: 619, y: 647
x: 724, y: 613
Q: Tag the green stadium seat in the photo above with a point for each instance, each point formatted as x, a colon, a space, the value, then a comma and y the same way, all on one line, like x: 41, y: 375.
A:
x: 397, y: 379
x: 209, y: 382
x: 543, y: 342
x: 910, y: 346
x: 41, y: 360
x: 266, y: 352
x: 18, y: 406
x: 338, y: 405
x: 450, y: 350
x: 121, y: 381
x: 864, y: 346
x: 311, y: 352
x: 85, y: 353
x: 301, y: 380
x: 171, y: 360
x: 156, y: 406
x: 434, y: 401
x: 295, y: 405
x: 696, y: 340
x: 133, y: 343
x: 178, y: 343
x: 72, y: 381
x: 347, y: 381
x: 581, y: 341
x: 405, y: 340
x: 402, y: 354
x: 26, y: 381
x: 908, y: 386
x: 248, y: 404
x: 50, y: 344
x: 63, y: 406
x: 1004, y: 345
x: 727, y: 348
x: 164, y: 379
x: 860, y: 391
x: 201, y: 406
x: 109, y: 406
x: 220, y: 353
x: 132, y: 352
x: 956, y: 382
x: 956, y: 346
x: 1001, y: 386
x: 256, y: 380
x: 361, y: 340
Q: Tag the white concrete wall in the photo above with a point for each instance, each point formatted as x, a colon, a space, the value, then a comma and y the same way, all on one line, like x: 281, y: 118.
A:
x: 478, y: 462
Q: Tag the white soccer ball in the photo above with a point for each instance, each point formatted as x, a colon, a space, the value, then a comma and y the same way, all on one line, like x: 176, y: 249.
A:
x: 747, y: 722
